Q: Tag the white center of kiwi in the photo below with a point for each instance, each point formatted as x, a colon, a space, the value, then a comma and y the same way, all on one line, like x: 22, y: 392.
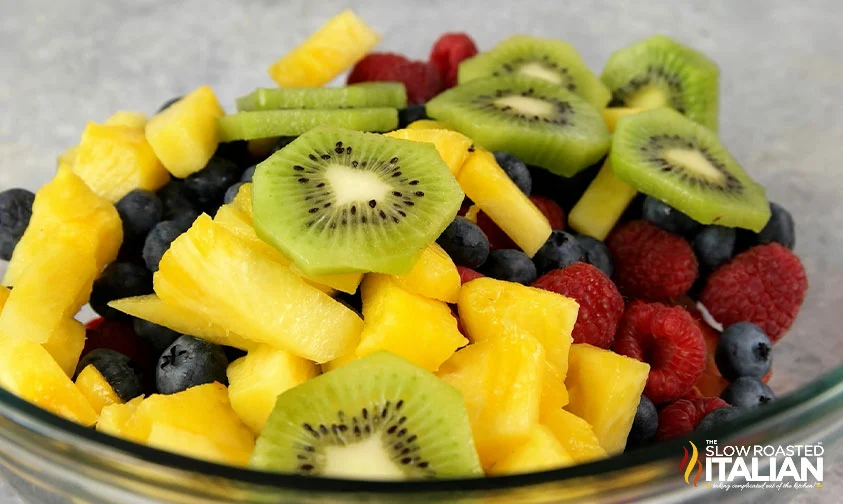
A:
x: 526, y: 105
x: 694, y: 162
x: 350, y: 185
x: 535, y: 69
x: 648, y: 97
x: 344, y: 461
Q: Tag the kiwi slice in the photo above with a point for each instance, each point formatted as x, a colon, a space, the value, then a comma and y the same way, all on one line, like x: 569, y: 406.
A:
x: 339, y: 201
x: 377, y: 418
x: 658, y: 72
x: 552, y: 60
x: 369, y: 94
x: 277, y: 123
x: 540, y: 122
x: 669, y: 157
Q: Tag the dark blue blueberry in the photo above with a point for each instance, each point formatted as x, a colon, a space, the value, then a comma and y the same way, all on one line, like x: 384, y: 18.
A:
x: 411, y: 114
x: 559, y: 251
x: 596, y: 253
x: 718, y: 417
x: 140, y: 211
x: 156, y: 336
x: 15, y: 211
x: 167, y: 104
x: 465, y: 243
x: 177, y: 200
x: 209, y: 184
x: 516, y: 170
x: 509, y: 265
x: 282, y: 142
x: 565, y: 191
x: 158, y: 241
x: 118, y: 370
x: 249, y: 174
x: 715, y: 245
x: 779, y: 229
x: 232, y: 353
x: 119, y: 280
x: 645, y: 424
x: 743, y: 350
x: 231, y: 192
x: 746, y: 392
x: 236, y: 152
x: 668, y: 218
x: 189, y: 362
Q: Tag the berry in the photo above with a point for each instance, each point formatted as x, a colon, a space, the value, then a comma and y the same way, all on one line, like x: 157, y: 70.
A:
x: 411, y: 114
x: 208, y: 185
x: 714, y: 245
x: 509, y: 265
x: 601, y: 305
x: 231, y: 193
x: 682, y: 417
x: 156, y: 336
x: 248, y: 174
x: 465, y: 243
x: 164, y: 106
x: 747, y: 392
x: 158, y: 241
x: 743, y: 350
x: 118, y: 370
x: 140, y: 211
x: 650, y: 263
x: 559, y: 251
x: 719, y: 417
x: 15, y: 212
x: 177, y: 200
x: 498, y: 239
x: 667, y: 338
x: 467, y: 274
x: 516, y: 170
x: 596, y: 253
x: 116, y: 335
x: 189, y: 362
x: 764, y: 285
x: 554, y: 213
x: 447, y: 54
x: 119, y: 280
x: 421, y: 79
x: 779, y: 229
x: 645, y: 424
x: 668, y: 218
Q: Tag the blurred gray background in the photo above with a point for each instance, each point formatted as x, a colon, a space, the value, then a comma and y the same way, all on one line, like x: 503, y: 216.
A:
x: 66, y: 62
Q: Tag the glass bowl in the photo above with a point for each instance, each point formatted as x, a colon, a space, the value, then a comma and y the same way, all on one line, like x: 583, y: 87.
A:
x: 781, y: 116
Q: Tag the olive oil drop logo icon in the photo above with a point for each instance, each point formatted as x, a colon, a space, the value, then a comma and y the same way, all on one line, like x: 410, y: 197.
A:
x: 689, y: 463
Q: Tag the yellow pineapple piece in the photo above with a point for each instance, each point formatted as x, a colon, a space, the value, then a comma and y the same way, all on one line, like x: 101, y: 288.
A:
x: 127, y: 118
x: 166, y: 437
x: 434, y: 275
x: 184, y: 135
x: 339, y: 362
x: 601, y: 205
x: 471, y: 213
x: 554, y: 393
x: 612, y: 114
x: 96, y: 389
x: 496, y: 194
x: 66, y: 343
x: 541, y: 452
x: 575, y: 435
x: 428, y: 124
x: 114, y: 419
x: 68, y: 157
x: 452, y: 146
x: 335, y: 47
x: 604, y: 390
x: 256, y: 380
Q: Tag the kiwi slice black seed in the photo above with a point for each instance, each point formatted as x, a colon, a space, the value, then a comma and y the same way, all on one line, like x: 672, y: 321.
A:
x: 280, y: 123
x: 658, y: 72
x: 552, y: 60
x: 367, y: 94
x: 377, y: 418
x: 667, y: 156
x: 338, y: 201
x: 540, y: 122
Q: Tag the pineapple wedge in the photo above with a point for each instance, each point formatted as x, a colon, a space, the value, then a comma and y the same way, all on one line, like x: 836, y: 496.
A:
x: 541, y: 452
x: 453, y: 147
x: 96, y: 389
x: 602, y: 204
x: 434, y: 276
x: 575, y: 435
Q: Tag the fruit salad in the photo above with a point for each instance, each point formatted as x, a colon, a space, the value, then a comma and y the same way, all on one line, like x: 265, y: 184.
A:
x: 481, y: 264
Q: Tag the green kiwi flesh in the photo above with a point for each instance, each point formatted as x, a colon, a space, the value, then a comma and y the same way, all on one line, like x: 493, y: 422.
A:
x: 552, y: 60
x: 538, y: 121
x: 339, y: 201
x: 276, y: 123
x: 377, y: 418
x: 659, y: 71
x: 667, y: 156
x: 368, y: 95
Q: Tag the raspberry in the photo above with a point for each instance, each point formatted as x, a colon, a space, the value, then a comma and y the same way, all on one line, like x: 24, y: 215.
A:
x: 764, y: 285
x: 468, y: 274
x: 94, y: 325
x: 601, y: 305
x: 554, y: 213
x: 650, y: 263
x: 667, y: 338
x: 420, y: 78
x: 682, y: 417
x: 116, y: 335
x: 448, y: 52
x: 498, y: 240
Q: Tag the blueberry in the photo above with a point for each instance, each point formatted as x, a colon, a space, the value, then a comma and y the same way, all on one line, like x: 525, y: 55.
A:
x: 119, y: 280
x: 118, y: 370
x: 565, y: 191
x: 747, y: 392
x: 743, y: 350
x: 596, y: 253
x: 140, y: 211
x: 645, y: 424
x: 177, y: 200
x: 465, y: 242
x: 159, y: 239
x: 411, y: 114
x: 231, y: 192
x: 232, y: 353
x: 715, y: 245
x: 509, y: 265
x: 249, y: 174
x: 719, y: 417
x: 156, y: 336
x: 15, y: 211
x: 779, y: 228
x: 189, y: 362
x: 559, y: 251
x: 209, y: 184
x: 516, y: 170
x: 668, y: 218
x: 167, y: 104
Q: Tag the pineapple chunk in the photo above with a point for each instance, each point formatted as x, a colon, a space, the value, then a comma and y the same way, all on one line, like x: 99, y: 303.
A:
x: 66, y: 343
x: 335, y: 47
x: 601, y: 205
x: 210, y: 271
x: 127, y: 118
x: 184, y: 136
x: 166, y: 437
x: 496, y: 194
x: 114, y: 419
x: 68, y: 157
x: 428, y: 124
x: 452, y: 146
x: 541, y: 452
x: 471, y: 213
x: 434, y: 276
x: 256, y: 380
x: 575, y: 435
x: 612, y: 114
x: 604, y: 389
x: 96, y: 389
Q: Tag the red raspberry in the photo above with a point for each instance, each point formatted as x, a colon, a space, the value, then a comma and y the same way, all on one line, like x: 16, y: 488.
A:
x: 468, y: 274
x: 554, y: 213
x: 601, y: 305
x: 448, y: 52
x: 498, y: 240
x: 667, y: 338
x: 116, y: 335
x: 420, y: 78
x: 683, y: 416
x: 650, y: 263
x: 94, y: 324
x: 765, y: 285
